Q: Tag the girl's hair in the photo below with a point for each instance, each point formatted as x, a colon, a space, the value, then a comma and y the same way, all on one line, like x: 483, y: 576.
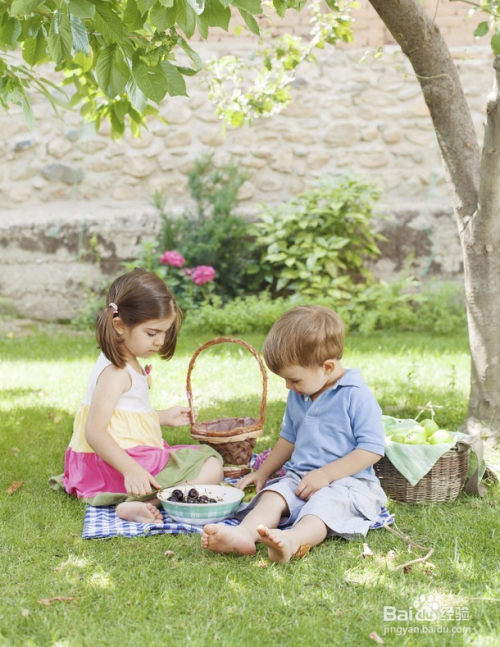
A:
x: 139, y: 296
x: 304, y: 336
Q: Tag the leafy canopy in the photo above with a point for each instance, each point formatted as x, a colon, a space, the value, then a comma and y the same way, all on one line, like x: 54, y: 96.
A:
x: 119, y: 57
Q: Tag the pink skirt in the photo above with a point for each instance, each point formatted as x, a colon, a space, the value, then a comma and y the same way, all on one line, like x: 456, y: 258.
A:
x: 87, y: 475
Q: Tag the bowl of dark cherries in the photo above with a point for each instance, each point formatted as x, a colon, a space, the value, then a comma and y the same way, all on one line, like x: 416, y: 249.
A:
x: 200, y: 504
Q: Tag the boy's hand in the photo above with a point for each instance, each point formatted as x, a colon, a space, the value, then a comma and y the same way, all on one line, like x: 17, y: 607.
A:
x: 311, y: 483
x: 139, y: 482
x: 253, y: 477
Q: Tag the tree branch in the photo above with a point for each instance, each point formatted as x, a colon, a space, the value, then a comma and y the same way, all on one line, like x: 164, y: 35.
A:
x: 423, y: 44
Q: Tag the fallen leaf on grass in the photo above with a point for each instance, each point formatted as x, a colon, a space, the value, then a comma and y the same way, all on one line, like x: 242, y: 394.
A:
x: 367, y: 551
x: 25, y: 613
x: 262, y: 564
x: 48, y: 601
x: 169, y: 553
x: 303, y: 550
x: 14, y: 486
x: 407, y: 569
x: 15, y: 450
x: 57, y: 420
x: 374, y: 636
x: 391, y: 556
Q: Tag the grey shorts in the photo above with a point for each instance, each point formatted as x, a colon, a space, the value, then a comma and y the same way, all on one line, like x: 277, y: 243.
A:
x: 348, y: 507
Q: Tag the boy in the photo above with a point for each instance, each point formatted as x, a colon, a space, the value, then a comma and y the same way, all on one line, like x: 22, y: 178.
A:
x: 331, y: 436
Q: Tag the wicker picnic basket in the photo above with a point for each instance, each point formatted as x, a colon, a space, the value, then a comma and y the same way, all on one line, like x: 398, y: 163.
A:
x: 440, y: 485
x: 233, y: 438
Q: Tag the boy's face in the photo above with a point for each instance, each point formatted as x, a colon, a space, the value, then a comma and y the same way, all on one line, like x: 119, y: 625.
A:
x: 309, y: 380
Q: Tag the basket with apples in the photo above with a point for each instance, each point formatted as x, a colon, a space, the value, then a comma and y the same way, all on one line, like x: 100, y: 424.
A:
x: 424, y: 443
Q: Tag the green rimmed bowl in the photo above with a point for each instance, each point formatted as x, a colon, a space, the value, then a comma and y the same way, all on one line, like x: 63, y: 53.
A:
x: 198, y: 514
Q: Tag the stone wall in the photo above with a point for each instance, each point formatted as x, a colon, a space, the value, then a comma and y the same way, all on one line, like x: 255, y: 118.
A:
x: 62, y: 184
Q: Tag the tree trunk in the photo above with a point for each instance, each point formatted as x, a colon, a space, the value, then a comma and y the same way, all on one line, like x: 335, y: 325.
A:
x: 475, y: 191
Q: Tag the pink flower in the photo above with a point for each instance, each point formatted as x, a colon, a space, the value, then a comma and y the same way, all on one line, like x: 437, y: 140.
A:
x: 203, y: 274
x: 172, y: 258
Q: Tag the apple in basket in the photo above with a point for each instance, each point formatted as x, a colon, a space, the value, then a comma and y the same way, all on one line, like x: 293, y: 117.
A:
x: 440, y: 437
x: 416, y: 436
x: 430, y: 427
x: 200, y: 504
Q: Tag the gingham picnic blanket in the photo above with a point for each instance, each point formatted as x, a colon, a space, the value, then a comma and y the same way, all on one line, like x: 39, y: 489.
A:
x: 102, y: 523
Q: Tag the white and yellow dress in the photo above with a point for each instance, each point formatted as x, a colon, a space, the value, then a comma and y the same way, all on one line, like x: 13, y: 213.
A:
x: 135, y: 426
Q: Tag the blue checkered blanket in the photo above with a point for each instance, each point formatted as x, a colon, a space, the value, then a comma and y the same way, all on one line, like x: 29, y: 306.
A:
x: 101, y: 523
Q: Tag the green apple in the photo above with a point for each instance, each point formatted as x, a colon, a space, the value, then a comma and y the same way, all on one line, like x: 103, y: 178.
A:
x: 398, y: 438
x: 415, y: 437
x: 440, y: 437
x: 430, y: 427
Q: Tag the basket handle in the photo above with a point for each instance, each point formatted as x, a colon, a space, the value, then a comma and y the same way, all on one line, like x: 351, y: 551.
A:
x: 223, y: 340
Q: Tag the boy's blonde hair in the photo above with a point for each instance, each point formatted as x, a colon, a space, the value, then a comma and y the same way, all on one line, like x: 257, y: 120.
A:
x: 304, y: 336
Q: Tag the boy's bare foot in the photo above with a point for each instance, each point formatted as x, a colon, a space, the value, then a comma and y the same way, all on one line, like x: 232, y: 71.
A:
x: 220, y: 538
x: 279, y: 545
x: 139, y: 511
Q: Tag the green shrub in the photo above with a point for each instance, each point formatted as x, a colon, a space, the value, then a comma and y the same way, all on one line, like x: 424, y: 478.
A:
x: 401, y: 305
x: 316, y: 244
x: 213, y: 234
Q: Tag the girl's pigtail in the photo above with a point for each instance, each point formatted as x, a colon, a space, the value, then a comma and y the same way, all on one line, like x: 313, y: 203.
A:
x: 108, y: 340
x: 168, y: 349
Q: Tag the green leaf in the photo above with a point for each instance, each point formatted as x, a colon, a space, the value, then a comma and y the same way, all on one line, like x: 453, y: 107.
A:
x: 495, y: 44
x: 84, y: 61
x: 162, y: 18
x: 176, y: 82
x: 481, y: 30
x: 10, y: 31
x: 35, y: 49
x: 23, y: 7
x: 167, y: 3
x: 186, y: 17
x: 198, y: 6
x: 281, y: 7
x: 112, y: 72
x: 150, y: 80
x: 251, y: 6
x: 136, y: 96
x: 250, y: 22
x: 144, y: 5
x: 216, y: 15
x: 82, y: 8
x: 80, y: 36
x: 202, y: 25
x: 29, y: 117
x: 60, y: 37
x: 108, y: 23
x: 188, y: 71
x: 332, y: 4
x: 132, y: 16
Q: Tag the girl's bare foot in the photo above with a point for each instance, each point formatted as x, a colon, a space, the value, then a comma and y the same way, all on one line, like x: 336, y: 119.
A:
x: 220, y: 538
x: 280, y: 545
x: 139, y: 511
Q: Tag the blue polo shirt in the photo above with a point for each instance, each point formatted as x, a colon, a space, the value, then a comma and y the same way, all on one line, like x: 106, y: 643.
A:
x: 345, y: 417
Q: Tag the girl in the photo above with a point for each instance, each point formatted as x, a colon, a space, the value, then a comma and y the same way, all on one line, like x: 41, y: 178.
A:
x: 117, y: 454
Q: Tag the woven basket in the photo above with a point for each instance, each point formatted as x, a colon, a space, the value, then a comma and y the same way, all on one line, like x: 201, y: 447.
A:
x: 233, y: 438
x: 440, y: 485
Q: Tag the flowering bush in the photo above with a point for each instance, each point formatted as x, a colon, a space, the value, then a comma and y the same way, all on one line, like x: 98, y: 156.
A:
x: 189, y: 284
x: 172, y: 258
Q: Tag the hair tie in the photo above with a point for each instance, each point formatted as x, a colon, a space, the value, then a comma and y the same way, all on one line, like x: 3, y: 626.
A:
x: 115, y: 308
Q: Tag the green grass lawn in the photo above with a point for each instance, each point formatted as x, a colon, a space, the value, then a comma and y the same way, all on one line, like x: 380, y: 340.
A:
x: 128, y: 592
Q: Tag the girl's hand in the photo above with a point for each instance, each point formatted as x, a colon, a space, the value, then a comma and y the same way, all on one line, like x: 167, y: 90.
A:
x: 139, y: 482
x: 311, y: 483
x: 254, y: 477
x: 178, y: 416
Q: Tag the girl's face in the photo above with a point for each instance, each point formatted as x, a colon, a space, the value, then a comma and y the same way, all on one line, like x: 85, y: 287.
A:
x: 146, y: 339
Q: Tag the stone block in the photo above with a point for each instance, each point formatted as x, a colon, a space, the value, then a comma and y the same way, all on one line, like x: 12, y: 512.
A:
x: 138, y: 166
x: 58, y: 172
x: 58, y: 147
x: 342, y: 134
x: 178, y: 139
x: 212, y: 136
x: 284, y: 162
